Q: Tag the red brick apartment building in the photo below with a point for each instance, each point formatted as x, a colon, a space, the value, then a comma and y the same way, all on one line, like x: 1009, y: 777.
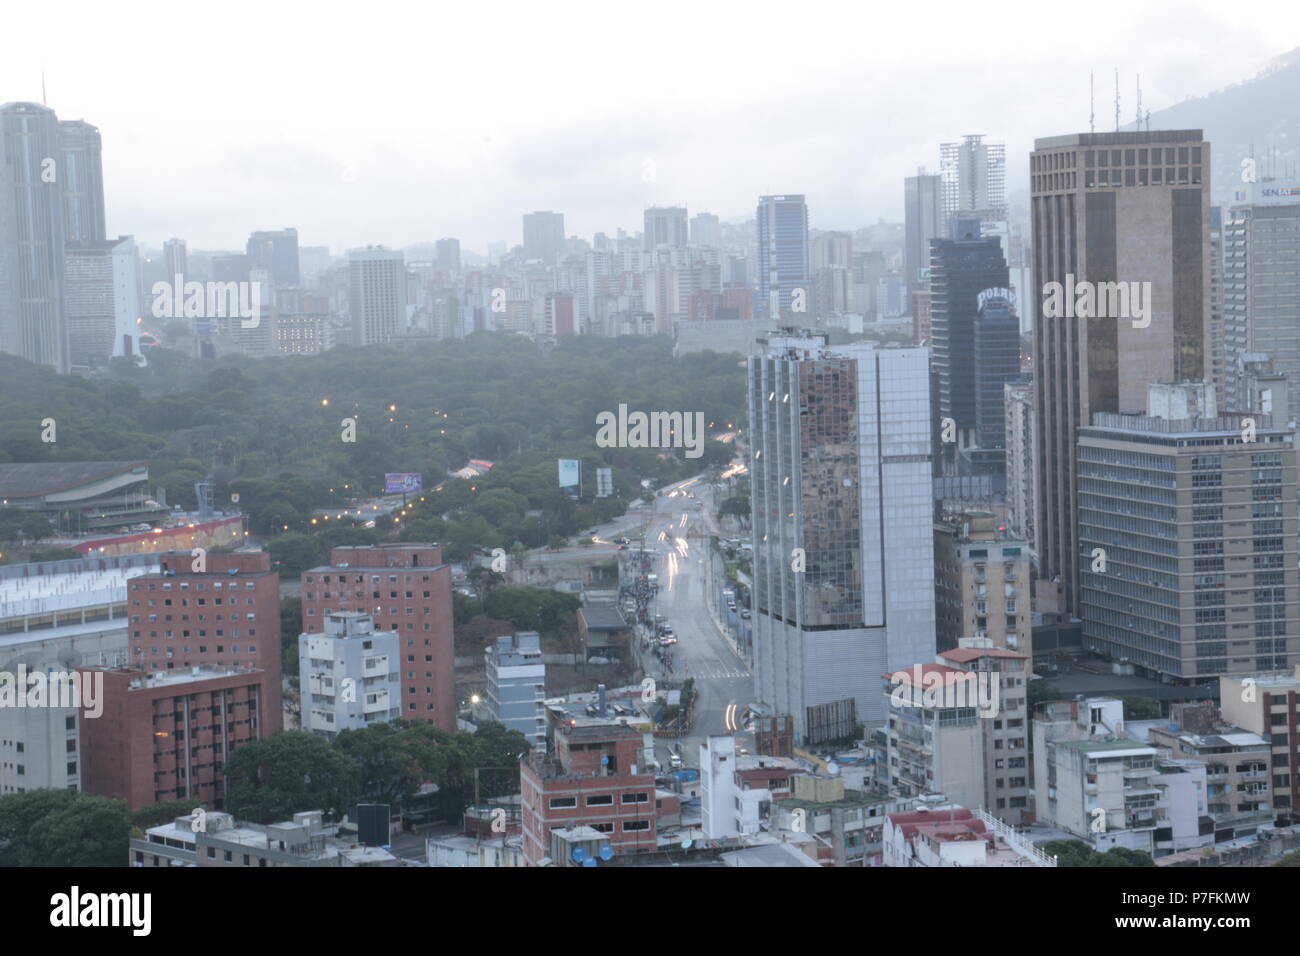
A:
x: 593, y: 778
x: 405, y: 588
x: 227, y: 615
x: 166, y: 734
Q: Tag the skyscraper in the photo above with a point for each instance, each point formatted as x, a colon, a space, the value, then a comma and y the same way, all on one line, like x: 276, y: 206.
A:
x: 706, y: 230
x: 923, y: 217
x: 81, y: 173
x: 1261, y: 283
x: 961, y: 268
x: 277, y: 253
x: 842, y: 521
x: 376, y: 295
x: 1112, y: 209
x: 32, y: 231
x: 175, y: 259
x: 1195, y: 531
x: 448, y: 252
x: 543, y: 236
x: 974, y: 179
x: 102, y: 300
x: 784, y: 278
x: 665, y: 226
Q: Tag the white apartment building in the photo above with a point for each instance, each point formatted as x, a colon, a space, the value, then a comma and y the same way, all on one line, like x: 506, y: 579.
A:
x: 349, y: 675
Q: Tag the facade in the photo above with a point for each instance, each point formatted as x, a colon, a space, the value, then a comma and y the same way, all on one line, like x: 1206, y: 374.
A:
x: 348, y: 675
x: 974, y: 179
x: 226, y: 615
x: 847, y: 825
x: 448, y: 253
x: 1261, y: 283
x: 102, y: 300
x: 596, y: 778
x: 1112, y: 208
x: 33, y: 215
x: 840, y: 442
x: 665, y: 226
x: 403, y: 588
x: 934, y: 749
x: 277, y: 253
x: 516, y: 685
x: 81, y: 172
x: 1018, y: 407
x: 783, y: 258
x: 923, y: 219
x: 981, y: 582
x: 376, y: 295
x: 1266, y: 704
x: 543, y: 236
x: 963, y: 271
x: 706, y: 230
x: 1189, y: 534
x: 165, y: 735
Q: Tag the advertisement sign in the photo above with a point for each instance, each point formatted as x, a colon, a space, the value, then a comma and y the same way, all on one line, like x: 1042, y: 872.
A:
x: 570, y: 476
x: 402, y: 483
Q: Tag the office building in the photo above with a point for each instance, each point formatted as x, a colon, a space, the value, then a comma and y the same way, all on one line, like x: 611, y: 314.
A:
x: 965, y: 273
x: 348, y: 675
x: 32, y: 234
x: 543, y: 236
x: 81, y: 180
x: 217, y: 611
x: 516, y: 684
x: 706, y: 230
x: 404, y: 588
x: 784, y: 273
x: 1113, y: 208
x: 923, y: 215
x: 1189, y: 539
x: 1261, y: 284
x: 166, y: 735
x: 277, y: 253
x: 102, y: 301
x: 840, y: 467
x: 448, y: 253
x: 175, y: 260
x: 376, y: 295
x: 665, y: 226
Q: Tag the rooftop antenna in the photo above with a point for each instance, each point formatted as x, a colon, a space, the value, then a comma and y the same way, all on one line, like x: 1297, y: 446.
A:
x: 44, y: 101
x: 1139, y: 101
x: 1148, y: 121
x: 1117, y: 99
x: 1092, y: 103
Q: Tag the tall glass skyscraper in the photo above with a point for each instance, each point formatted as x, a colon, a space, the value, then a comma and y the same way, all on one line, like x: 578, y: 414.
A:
x: 32, y: 235
x: 783, y: 263
x: 840, y: 468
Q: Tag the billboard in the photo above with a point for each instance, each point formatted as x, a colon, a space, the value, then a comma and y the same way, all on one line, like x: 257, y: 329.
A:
x: 570, y: 476
x: 604, y: 482
x: 402, y: 483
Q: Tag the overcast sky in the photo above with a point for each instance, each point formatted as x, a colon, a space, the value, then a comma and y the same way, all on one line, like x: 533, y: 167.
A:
x: 396, y: 123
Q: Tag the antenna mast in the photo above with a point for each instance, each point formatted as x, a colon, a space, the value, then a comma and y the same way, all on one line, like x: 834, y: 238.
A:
x: 1092, y: 103
x: 1117, y: 99
x: 1139, y: 101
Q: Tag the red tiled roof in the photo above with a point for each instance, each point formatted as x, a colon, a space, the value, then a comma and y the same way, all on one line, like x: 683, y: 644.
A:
x: 950, y: 675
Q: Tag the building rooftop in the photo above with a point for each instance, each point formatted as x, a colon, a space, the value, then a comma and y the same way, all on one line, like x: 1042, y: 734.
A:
x: 52, y: 593
x: 34, y: 479
x: 1113, y: 748
x: 964, y: 655
x: 603, y: 617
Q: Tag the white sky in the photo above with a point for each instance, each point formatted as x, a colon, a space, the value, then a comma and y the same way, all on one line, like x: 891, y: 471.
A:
x: 222, y: 118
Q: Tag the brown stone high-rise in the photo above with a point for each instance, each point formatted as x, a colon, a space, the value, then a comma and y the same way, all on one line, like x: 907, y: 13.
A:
x: 1112, y: 207
x: 405, y: 588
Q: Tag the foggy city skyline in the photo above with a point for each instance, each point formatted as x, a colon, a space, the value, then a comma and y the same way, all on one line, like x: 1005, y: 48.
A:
x: 446, y: 137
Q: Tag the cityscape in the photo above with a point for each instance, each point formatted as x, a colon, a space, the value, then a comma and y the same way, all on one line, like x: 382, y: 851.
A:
x: 947, y: 519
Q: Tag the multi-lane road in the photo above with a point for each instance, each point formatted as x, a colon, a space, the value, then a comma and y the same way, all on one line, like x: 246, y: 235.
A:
x: 678, y: 531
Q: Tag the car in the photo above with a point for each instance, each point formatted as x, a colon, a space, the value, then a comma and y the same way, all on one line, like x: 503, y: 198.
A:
x: 621, y: 547
x: 667, y: 640
x: 675, y: 761
x: 623, y: 540
x: 745, y: 614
